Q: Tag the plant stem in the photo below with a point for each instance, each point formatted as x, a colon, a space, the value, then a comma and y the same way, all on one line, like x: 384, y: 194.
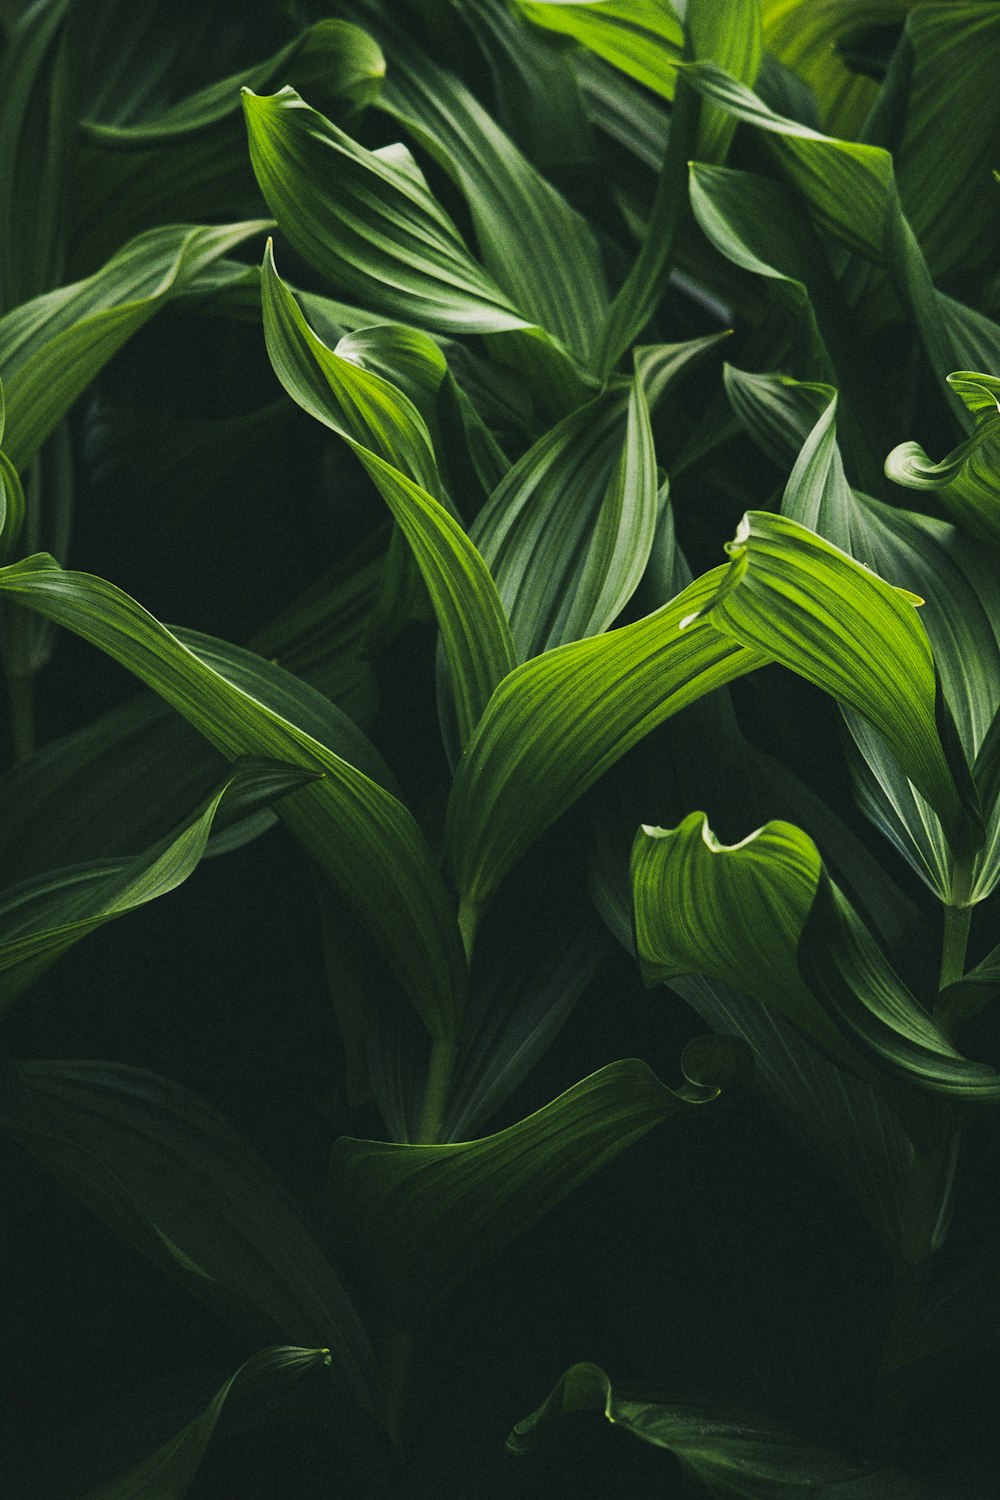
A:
x: 20, y: 697
x: 436, y: 1091
x: 397, y: 1357
x: 468, y: 922
x: 957, y: 920
x: 896, y: 1379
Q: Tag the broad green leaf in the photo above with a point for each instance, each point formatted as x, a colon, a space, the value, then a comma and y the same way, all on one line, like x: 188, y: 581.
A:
x: 420, y: 1219
x: 732, y: 912
x: 52, y: 347
x: 764, y: 916
x: 737, y: 1455
x: 11, y: 508
x: 177, y: 1181
x: 527, y: 233
x: 850, y: 1126
x: 41, y: 918
x: 387, y: 433
x: 338, y: 59
x: 558, y: 722
x: 967, y: 481
x: 643, y: 38
x: 809, y: 606
x: 168, y: 1473
x: 358, y: 833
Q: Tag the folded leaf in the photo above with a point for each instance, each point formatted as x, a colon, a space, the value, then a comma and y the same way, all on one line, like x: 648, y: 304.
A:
x: 41, y: 918
x: 52, y: 347
x: 420, y: 1219
x: 168, y: 1473
x: 175, y: 1180
x: 387, y: 433
x: 358, y: 833
x: 733, y: 1454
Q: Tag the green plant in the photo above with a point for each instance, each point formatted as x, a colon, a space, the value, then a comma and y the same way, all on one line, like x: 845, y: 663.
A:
x: 437, y: 351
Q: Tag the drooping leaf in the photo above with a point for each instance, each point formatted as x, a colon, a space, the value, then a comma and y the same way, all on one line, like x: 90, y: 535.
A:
x: 52, y: 347
x: 420, y: 1219
x: 359, y: 834
x: 168, y: 1473
x: 41, y: 918
x: 733, y: 1454
x: 557, y: 722
x: 177, y: 1181
x: 385, y: 430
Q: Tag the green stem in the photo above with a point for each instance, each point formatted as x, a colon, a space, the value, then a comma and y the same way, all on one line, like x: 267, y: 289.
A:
x: 436, y: 1091
x: 957, y: 920
x: 21, y: 698
x: 895, y: 1378
x: 397, y: 1357
x: 468, y: 922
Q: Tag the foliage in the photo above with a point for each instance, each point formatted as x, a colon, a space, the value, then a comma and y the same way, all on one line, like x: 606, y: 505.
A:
x: 569, y: 433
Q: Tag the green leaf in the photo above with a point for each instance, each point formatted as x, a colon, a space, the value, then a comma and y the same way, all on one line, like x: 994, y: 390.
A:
x: 34, y: 156
x: 176, y: 1180
x: 558, y: 722
x: 168, y: 1473
x: 731, y: 38
x: 387, y: 433
x: 339, y: 59
x: 733, y: 1454
x: 420, y: 1219
x: 732, y: 912
x: 764, y: 916
x: 568, y: 531
x: 809, y: 606
x: 803, y: 35
x: 358, y: 833
x: 526, y: 231
x: 642, y: 38
x: 53, y: 346
x: 949, y: 147
x: 41, y: 918
x: 967, y: 481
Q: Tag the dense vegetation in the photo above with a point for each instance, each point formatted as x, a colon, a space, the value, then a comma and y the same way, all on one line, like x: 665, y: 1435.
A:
x: 567, y: 436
